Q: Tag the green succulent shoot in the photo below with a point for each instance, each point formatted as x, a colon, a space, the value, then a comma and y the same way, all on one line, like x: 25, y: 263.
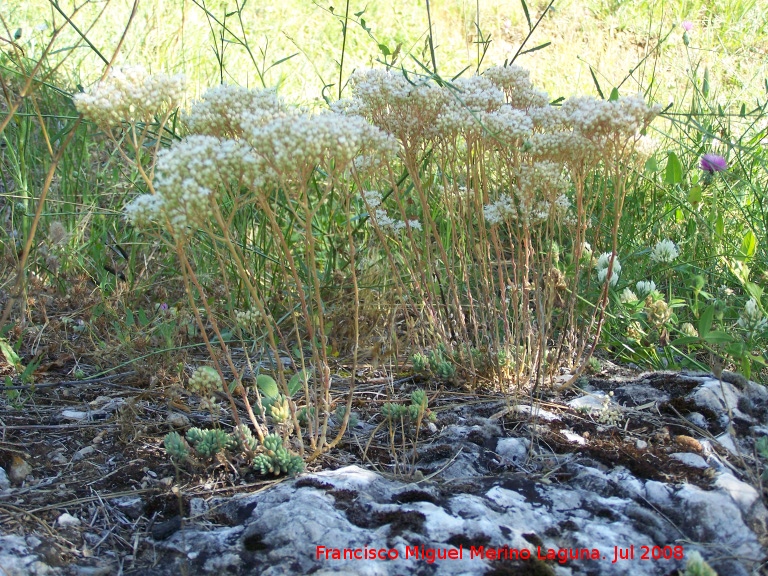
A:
x: 277, y: 459
x: 176, y: 447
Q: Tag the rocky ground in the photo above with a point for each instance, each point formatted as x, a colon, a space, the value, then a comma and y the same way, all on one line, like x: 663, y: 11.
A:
x: 580, y: 482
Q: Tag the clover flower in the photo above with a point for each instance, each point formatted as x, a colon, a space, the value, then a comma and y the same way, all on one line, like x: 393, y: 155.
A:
x: 688, y: 329
x: 603, y: 262
x: 665, y: 251
x: 657, y: 312
x: 130, y: 94
x: 752, y: 318
x: 627, y: 296
x: 645, y: 287
x: 713, y: 163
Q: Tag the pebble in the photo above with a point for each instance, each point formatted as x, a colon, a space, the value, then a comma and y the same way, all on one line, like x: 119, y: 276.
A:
x: 67, y: 521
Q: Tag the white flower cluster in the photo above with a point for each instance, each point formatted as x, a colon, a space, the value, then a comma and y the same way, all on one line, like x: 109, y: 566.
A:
x: 509, y: 126
x: 517, y: 86
x: 610, y: 412
x: 397, y: 106
x: 627, y: 296
x: 299, y: 143
x: 204, y: 380
x: 372, y: 198
x: 752, y: 318
x: 645, y: 287
x: 380, y: 217
x: 471, y: 99
x: 188, y: 175
x: 144, y: 210
x: 497, y: 212
x: 227, y: 110
x: 596, y: 118
x: 665, y: 251
x: 603, y: 262
x: 130, y: 94
x: 561, y: 146
x: 539, y: 192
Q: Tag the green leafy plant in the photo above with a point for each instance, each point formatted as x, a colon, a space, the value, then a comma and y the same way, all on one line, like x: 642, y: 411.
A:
x: 268, y: 457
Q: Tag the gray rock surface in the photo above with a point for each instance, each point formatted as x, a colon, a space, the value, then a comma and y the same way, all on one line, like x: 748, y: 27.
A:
x: 493, y: 498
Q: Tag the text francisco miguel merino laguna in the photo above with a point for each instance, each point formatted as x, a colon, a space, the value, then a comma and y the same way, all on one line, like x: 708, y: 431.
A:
x: 430, y: 555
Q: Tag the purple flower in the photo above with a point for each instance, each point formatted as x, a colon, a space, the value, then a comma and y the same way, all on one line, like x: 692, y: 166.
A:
x: 687, y: 25
x: 163, y: 307
x: 713, y: 163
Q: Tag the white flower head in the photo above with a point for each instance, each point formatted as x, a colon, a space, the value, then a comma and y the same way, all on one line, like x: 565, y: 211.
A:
x: 665, y: 251
x: 602, y: 265
x: 628, y: 296
x: 752, y: 318
x: 645, y: 287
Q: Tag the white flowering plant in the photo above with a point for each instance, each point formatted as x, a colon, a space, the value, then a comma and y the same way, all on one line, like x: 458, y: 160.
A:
x: 474, y: 192
x: 488, y: 237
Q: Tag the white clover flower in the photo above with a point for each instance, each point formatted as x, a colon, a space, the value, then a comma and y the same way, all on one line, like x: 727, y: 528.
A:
x: 645, y: 287
x: 627, y: 296
x: 665, y: 251
x: 601, y: 275
x: 752, y: 318
x: 603, y: 262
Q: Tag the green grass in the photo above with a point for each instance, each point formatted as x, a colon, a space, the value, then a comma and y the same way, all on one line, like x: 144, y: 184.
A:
x: 716, y: 88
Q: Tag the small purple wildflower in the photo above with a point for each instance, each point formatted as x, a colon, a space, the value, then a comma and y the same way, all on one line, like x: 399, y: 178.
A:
x: 713, y: 163
x: 163, y: 307
x: 687, y: 25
